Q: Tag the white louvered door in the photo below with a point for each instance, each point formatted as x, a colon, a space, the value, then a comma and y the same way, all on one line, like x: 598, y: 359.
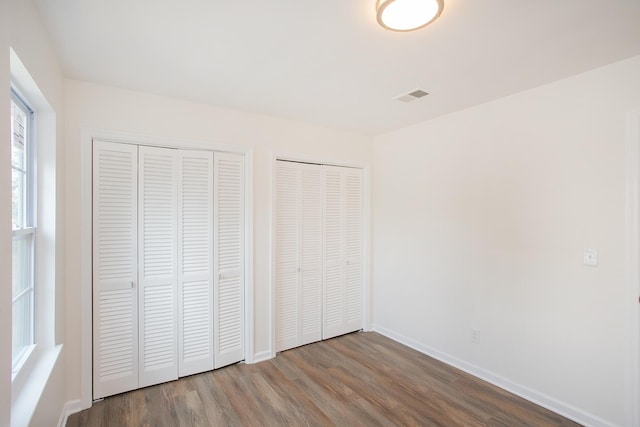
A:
x: 311, y: 255
x: 115, y: 325
x: 195, y: 261
x: 342, y: 268
x: 228, y: 193
x: 164, y: 306
x: 353, y: 249
x: 158, y: 269
x: 287, y: 236
x: 298, y: 254
x: 333, y: 277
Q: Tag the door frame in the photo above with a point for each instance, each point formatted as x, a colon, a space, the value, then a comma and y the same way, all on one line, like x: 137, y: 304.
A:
x: 86, y: 233
x: 633, y: 267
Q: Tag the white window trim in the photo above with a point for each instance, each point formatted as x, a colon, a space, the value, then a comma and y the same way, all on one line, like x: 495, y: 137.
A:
x: 29, y: 383
x: 29, y: 228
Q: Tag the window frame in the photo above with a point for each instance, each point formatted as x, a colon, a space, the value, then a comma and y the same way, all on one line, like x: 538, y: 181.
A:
x: 26, y: 232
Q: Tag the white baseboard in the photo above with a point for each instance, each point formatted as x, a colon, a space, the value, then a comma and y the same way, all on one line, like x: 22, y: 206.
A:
x: 69, y: 408
x: 262, y: 356
x: 548, y: 402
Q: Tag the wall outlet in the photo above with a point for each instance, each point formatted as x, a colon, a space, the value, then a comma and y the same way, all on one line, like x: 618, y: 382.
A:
x: 475, y: 336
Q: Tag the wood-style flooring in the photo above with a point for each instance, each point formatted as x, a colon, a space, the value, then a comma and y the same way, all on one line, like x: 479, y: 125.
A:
x: 361, y: 379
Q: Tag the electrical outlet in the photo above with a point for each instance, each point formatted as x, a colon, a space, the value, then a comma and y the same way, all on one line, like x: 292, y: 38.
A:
x: 475, y: 336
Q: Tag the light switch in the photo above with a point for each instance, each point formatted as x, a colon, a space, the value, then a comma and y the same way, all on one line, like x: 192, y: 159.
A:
x: 590, y: 257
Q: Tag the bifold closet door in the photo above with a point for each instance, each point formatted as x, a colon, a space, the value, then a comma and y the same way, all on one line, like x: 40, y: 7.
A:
x: 287, y: 255
x: 298, y: 254
x: 115, y: 309
x: 342, y: 278
x: 228, y: 235
x: 195, y: 261
x: 158, y: 265
x: 168, y: 264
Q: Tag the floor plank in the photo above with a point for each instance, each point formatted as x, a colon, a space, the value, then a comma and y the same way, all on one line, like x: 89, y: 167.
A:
x: 360, y: 379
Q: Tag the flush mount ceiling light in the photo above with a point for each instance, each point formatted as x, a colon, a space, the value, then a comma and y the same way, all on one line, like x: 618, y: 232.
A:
x: 407, y: 15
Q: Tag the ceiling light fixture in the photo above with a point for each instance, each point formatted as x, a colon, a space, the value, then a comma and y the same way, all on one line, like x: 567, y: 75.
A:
x: 407, y: 15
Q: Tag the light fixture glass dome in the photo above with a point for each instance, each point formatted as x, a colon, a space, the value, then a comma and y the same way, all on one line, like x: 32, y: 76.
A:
x: 407, y: 15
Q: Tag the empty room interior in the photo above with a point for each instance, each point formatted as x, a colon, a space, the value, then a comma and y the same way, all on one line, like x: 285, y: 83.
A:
x: 320, y: 212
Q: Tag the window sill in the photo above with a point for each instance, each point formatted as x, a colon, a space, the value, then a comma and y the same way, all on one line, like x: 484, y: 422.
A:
x: 26, y: 395
x: 25, y: 362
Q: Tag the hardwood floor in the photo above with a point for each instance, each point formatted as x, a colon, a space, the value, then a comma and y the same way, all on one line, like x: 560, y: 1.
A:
x: 361, y: 379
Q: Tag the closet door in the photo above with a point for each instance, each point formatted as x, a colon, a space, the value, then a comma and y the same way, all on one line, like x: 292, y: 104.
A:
x: 195, y: 261
x: 287, y: 286
x: 158, y: 269
x: 228, y: 234
x: 115, y: 310
x: 298, y: 254
x: 342, y: 263
x: 353, y: 249
x: 310, y: 298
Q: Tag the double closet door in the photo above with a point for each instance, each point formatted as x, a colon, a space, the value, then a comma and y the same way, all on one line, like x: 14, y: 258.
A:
x: 318, y: 252
x: 168, y: 274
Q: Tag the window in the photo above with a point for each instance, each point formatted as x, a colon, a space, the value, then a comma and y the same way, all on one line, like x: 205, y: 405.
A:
x: 24, y: 233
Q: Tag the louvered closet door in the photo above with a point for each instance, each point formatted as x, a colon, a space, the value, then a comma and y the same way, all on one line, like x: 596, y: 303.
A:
x: 298, y: 254
x: 353, y: 249
x: 228, y: 236
x: 287, y: 255
x: 115, y: 324
x: 333, y: 277
x: 195, y: 261
x: 311, y: 255
x: 342, y: 279
x: 158, y: 269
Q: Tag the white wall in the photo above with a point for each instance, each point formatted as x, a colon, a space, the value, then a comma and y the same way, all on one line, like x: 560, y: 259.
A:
x: 480, y: 219
x: 5, y: 229
x: 107, y: 108
x: 22, y: 31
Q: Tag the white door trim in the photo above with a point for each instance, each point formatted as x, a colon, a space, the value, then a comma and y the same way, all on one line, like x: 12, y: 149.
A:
x: 633, y: 266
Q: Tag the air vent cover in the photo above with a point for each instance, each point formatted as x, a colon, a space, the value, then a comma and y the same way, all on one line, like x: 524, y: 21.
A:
x: 411, y: 96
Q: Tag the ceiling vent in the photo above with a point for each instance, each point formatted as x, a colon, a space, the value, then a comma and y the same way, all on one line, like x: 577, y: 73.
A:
x: 411, y: 96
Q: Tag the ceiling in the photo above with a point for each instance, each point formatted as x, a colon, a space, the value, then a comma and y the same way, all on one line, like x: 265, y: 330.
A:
x: 327, y: 61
